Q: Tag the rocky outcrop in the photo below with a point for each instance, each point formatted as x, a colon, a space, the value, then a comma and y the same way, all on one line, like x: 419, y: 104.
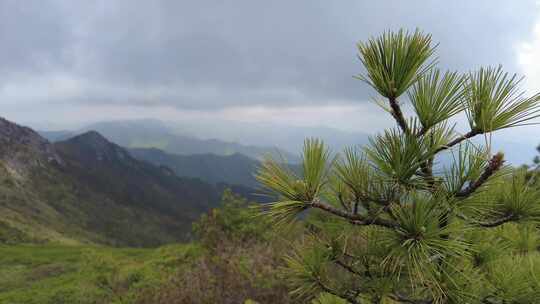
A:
x: 22, y: 149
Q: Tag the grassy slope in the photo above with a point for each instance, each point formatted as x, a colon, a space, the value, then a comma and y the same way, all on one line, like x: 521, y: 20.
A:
x: 51, y: 207
x: 85, y: 274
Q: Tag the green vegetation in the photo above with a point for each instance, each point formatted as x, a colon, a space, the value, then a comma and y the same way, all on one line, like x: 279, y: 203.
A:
x: 242, y: 260
x: 234, y: 221
x: 235, y: 260
x: 394, y: 226
x: 58, y: 274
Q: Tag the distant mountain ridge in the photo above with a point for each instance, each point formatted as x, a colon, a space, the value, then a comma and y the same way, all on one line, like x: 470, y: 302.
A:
x: 154, y: 134
x: 233, y: 169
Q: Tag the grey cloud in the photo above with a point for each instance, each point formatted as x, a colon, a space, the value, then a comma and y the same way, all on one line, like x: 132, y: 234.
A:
x: 216, y: 54
x: 33, y: 37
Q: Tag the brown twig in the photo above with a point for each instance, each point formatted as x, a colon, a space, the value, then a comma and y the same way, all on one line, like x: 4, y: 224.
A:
x: 495, y: 163
x: 398, y: 115
x: 329, y: 290
x: 494, y: 223
x: 456, y: 141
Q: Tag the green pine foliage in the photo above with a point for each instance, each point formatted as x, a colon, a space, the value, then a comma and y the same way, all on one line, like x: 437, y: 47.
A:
x: 387, y: 223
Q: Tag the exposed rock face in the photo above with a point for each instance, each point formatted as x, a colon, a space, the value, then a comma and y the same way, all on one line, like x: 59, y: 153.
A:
x: 22, y: 148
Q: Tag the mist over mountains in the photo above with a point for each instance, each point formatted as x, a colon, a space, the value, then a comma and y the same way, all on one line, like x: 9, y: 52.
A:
x: 254, y: 140
x: 156, y: 134
x: 216, y: 137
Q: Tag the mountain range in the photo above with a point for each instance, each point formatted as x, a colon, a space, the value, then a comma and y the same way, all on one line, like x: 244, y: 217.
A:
x: 86, y: 189
x: 188, y: 149
x: 157, y: 134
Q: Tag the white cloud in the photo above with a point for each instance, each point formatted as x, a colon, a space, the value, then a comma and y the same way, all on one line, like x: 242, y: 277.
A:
x: 528, y: 58
x: 528, y: 54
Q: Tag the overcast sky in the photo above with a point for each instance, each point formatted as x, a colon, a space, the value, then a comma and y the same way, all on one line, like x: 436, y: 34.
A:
x: 285, y: 62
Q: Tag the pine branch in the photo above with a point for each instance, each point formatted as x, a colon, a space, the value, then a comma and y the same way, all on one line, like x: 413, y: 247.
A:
x: 422, y: 131
x: 510, y: 217
x: 355, y: 209
x: 348, y: 268
x: 342, y: 202
x: 329, y: 290
x: 355, y: 219
x: 456, y: 141
x: 495, y: 163
x: 398, y: 115
x: 491, y: 224
x: 427, y: 172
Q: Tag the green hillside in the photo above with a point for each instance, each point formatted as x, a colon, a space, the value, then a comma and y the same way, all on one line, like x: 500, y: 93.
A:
x: 233, y: 260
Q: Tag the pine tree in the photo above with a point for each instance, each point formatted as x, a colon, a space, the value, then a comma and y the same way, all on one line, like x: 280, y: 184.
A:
x: 397, y: 223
